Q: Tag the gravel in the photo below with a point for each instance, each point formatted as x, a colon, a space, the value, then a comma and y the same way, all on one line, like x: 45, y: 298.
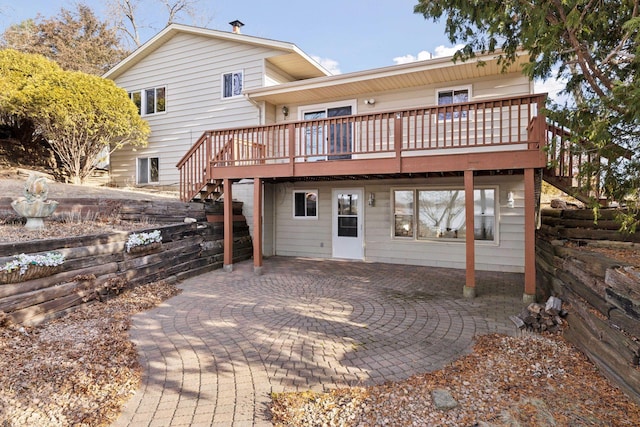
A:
x: 530, y: 380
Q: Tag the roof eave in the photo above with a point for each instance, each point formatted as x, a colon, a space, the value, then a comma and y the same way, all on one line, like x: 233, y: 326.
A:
x: 173, y: 29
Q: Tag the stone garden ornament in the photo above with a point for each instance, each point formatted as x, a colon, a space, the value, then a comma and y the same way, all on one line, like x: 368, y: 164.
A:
x: 34, y: 205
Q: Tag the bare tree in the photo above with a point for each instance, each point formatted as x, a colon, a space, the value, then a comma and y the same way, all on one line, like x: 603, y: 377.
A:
x: 125, y: 13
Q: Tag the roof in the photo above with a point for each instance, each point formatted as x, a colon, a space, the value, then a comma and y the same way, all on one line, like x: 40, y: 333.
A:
x: 291, y: 59
x: 404, y: 76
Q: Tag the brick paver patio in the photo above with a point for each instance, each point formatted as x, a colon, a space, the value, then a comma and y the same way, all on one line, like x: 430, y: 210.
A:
x: 212, y: 354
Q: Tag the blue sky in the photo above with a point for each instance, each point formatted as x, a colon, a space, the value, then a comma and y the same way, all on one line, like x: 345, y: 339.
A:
x: 343, y: 35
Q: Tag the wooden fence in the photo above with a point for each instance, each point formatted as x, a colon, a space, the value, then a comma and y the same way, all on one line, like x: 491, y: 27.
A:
x: 603, y: 293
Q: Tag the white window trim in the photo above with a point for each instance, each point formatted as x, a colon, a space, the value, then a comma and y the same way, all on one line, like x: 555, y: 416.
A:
x: 353, y: 103
x: 468, y: 88
x: 293, y: 204
x: 143, y: 102
x: 415, y: 239
x: 222, y: 97
x: 310, y: 108
x: 148, y: 170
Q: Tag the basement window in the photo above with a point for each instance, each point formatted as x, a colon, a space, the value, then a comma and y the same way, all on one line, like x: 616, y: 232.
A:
x: 305, y: 204
x: 148, y: 170
x: 439, y: 214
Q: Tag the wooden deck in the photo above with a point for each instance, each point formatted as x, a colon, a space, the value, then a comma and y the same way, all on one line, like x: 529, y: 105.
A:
x: 504, y: 133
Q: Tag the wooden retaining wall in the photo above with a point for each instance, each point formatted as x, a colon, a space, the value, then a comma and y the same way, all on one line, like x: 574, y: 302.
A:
x: 98, y: 265
x: 157, y: 211
x: 603, y: 293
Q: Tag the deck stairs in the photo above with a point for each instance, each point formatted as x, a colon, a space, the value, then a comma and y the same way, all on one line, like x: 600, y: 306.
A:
x: 566, y: 159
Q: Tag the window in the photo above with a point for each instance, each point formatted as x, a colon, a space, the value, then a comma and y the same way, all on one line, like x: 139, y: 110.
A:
x: 331, y: 141
x: 154, y: 100
x: 148, y: 170
x: 149, y: 101
x: 305, y: 204
x: 453, y: 96
x: 403, y: 213
x: 136, y: 97
x: 440, y: 214
x: 232, y: 84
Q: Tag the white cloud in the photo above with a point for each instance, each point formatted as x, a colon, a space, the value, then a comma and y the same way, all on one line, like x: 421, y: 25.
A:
x: 410, y: 58
x: 439, y: 52
x: 447, y: 51
x: 330, y: 64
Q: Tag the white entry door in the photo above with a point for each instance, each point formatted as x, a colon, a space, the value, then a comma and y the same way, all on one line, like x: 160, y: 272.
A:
x: 348, y: 227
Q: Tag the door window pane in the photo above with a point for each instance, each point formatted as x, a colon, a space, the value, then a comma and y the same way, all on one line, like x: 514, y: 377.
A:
x: 348, y: 226
x: 314, y: 135
x: 347, y: 204
x: 340, y: 134
x: 347, y: 215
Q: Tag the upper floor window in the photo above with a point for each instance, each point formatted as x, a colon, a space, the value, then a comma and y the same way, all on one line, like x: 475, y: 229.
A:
x: 150, y: 101
x: 453, y: 96
x: 136, y: 97
x: 232, y: 84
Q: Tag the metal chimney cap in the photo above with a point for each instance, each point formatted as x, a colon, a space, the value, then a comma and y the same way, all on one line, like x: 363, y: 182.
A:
x: 236, y: 25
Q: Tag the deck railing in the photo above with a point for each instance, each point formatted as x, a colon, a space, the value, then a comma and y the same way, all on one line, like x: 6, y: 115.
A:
x: 568, y: 163
x: 485, y: 125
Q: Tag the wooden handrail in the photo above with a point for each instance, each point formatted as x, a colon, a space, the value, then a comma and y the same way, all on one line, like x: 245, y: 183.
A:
x: 408, y: 132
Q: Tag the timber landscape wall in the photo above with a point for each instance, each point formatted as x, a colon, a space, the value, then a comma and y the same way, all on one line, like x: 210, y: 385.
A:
x: 98, y: 266
x: 596, y: 270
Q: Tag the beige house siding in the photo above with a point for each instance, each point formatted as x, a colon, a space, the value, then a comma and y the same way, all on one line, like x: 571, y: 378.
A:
x: 190, y: 67
x: 503, y: 85
x: 301, y: 236
x: 313, y: 237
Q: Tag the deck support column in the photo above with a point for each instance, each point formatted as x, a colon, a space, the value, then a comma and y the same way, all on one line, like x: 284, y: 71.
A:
x: 228, y: 226
x: 257, y: 226
x: 529, y: 295
x: 470, y: 282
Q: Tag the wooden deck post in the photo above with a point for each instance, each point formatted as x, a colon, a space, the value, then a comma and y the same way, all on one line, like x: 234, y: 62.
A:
x: 257, y: 226
x: 470, y: 283
x: 529, y: 236
x: 228, y: 226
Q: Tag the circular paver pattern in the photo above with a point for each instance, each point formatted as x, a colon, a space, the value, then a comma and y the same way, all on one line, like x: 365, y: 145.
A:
x: 214, y: 353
